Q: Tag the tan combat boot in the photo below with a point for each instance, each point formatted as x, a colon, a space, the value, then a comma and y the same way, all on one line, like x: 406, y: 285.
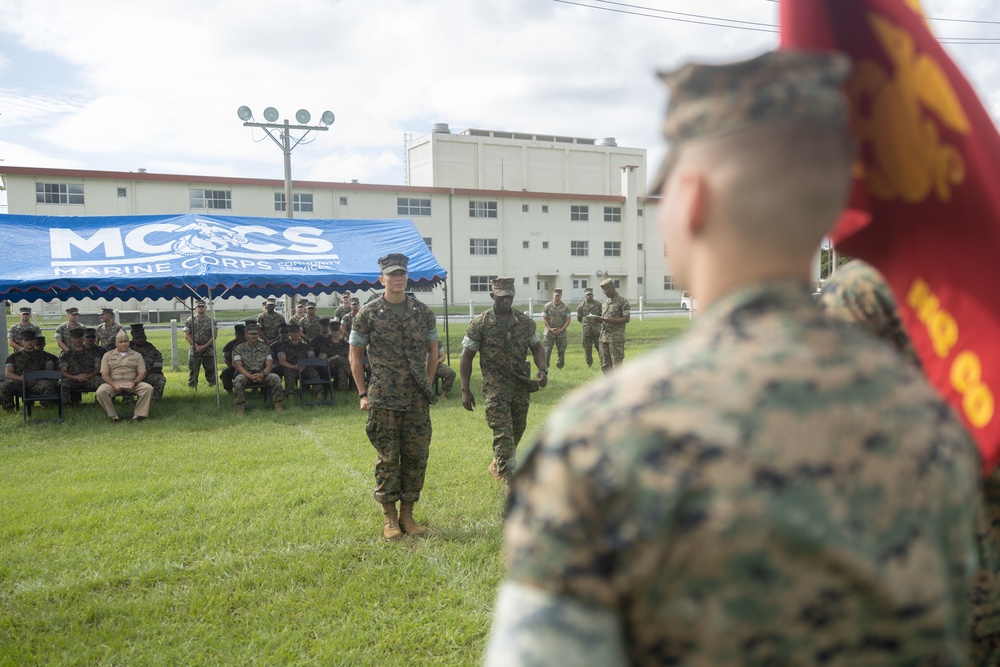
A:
x: 406, y: 522
x: 390, y: 530
x: 241, y: 411
x: 495, y: 470
x: 277, y: 407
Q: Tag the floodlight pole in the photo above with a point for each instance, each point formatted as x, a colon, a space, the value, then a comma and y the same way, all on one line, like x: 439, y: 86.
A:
x: 284, y: 140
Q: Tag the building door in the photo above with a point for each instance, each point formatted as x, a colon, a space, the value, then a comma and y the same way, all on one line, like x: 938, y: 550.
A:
x: 579, y: 284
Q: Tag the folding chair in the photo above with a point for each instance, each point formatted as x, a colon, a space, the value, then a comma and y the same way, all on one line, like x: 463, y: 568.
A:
x: 264, y: 394
x: 324, y: 381
x: 28, y: 399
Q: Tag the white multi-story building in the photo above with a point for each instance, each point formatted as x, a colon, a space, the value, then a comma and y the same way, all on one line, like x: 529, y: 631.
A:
x: 550, y: 211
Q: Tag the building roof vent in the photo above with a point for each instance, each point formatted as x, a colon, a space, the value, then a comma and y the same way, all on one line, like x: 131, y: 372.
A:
x: 607, y: 141
x: 441, y: 128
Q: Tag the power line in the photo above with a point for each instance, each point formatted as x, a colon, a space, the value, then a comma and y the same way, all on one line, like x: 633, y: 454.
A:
x: 942, y: 18
x: 752, y: 26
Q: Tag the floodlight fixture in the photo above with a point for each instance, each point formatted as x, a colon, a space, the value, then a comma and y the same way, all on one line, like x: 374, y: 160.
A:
x: 327, y: 118
x: 244, y: 113
x: 270, y: 114
x: 302, y: 116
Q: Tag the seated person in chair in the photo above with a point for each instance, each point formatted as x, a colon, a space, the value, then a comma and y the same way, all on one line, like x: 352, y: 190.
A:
x: 336, y: 351
x: 444, y: 373
x: 26, y: 360
x: 289, y: 356
x: 123, y: 371
x: 153, y: 358
x: 81, y: 369
x: 253, y: 362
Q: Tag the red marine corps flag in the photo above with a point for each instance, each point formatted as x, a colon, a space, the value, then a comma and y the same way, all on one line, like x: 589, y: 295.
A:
x: 926, y: 204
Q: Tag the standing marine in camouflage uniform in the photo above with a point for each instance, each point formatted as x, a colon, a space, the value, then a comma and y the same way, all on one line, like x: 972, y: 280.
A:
x: 344, y: 307
x: 300, y: 312
x: 108, y: 329
x: 502, y: 337
x: 200, y: 333
x: 229, y: 372
x: 153, y: 359
x: 310, y: 323
x: 774, y: 487
x: 17, y: 331
x: 252, y: 359
x: 62, y: 334
x: 615, y: 314
x: 346, y: 322
x: 270, y: 321
x: 24, y: 361
x: 80, y: 367
x: 858, y: 294
x: 401, y: 339
x: 588, y: 314
x: 555, y: 316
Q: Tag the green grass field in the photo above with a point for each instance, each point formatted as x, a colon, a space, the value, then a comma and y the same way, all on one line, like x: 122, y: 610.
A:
x: 196, y: 538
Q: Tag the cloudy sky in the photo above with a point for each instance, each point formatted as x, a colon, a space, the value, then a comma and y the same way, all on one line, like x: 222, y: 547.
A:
x: 122, y: 85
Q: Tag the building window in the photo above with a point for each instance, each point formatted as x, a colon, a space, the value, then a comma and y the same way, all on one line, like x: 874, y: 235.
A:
x: 300, y: 202
x: 639, y: 212
x: 525, y: 244
x: 58, y: 193
x: 482, y: 209
x: 579, y: 248
x: 638, y: 280
x: 122, y: 192
x: 545, y: 208
x: 343, y: 201
x: 612, y: 214
x: 639, y: 247
x: 408, y: 206
x: 524, y: 208
x: 545, y: 245
x: 612, y: 248
x: 430, y: 242
x: 581, y: 283
x: 482, y: 246
x: 668, y: 282
x: 211, y: 199
x: 525, y: 281
x: 665, y: 253
x: 480, y: 283
x: 579, y: 213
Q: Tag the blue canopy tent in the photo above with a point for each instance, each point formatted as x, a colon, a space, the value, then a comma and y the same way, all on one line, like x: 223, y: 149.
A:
x: 168, y: 256
x: 205, y: 256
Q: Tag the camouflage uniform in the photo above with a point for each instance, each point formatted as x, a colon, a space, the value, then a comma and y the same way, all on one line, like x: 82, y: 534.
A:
x: 503, y: 352
x: 556, y: 314
x: 310, y: 326
x: 269, y: 324
x: 254, y: 358
x: 612, y: 349
x: 106, y: 334
x: 338, y: 356
x: 293, y: 353
x: 201, y: 329
x: 229, y: 372
x: 18, y: 330
x: 21, y: 363
x: 446, y: 374
x: 399, y: 393
x: 64, y: 330
x: 746, y: 496
x: 591, y: 329
x: 79, y: 362
x: 153, y: 359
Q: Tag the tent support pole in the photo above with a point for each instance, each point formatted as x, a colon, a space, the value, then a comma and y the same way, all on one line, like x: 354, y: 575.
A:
x: 447, y: 335
x: 215, y: 328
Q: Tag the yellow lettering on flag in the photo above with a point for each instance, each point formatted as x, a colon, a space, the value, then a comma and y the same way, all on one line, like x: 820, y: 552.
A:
x: 966, y: 373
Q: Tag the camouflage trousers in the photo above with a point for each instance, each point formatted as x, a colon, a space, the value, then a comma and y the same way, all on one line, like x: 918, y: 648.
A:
x: 447, y: 375
x: 292, y: 375
x: 69, y: 386
x: 985, y: 650
x: 12, y: 388
x: 402, y: 442
x: 507, y: 415
x: 559, y: 340
x: 591, y: 341
x: 340, y: 373
x: 227, y: 375
x: 612, y: 355
x: 271, y: 381
x: 197, y: 360
x: 158, y: 382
